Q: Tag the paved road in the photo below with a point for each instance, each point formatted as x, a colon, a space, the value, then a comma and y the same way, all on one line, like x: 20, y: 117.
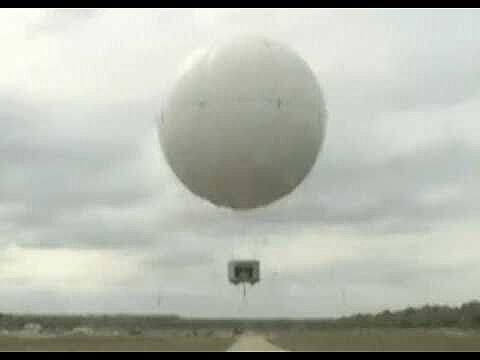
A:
x: 253, y: 342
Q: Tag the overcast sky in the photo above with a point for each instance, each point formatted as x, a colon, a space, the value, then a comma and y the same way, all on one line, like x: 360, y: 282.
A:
x: 93, y: 220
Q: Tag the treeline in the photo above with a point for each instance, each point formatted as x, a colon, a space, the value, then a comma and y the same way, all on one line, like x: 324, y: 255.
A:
x: 428, y: 316
x: 68, y: 322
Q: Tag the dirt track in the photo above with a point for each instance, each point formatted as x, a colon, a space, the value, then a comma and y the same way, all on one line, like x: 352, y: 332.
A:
x: 253, y: 342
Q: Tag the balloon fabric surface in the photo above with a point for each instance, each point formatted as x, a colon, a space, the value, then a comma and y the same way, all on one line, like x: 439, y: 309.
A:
x: 244, y: 123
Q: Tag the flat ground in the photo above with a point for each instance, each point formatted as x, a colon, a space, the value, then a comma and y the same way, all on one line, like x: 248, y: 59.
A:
x: 380, y: 340
x: 325, y: 340
x: 105, y: 343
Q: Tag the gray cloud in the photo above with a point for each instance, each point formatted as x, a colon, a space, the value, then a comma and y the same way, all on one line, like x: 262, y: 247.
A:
x: 48, y: 167
x: 58, y: 20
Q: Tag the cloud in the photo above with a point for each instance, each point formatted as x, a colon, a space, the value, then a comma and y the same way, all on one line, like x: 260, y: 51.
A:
x: 58, y: 20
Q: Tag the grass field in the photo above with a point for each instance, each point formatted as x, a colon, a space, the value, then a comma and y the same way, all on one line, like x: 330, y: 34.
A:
x: 379, y: 340
x: 104, y: 343
x: 325, y: 340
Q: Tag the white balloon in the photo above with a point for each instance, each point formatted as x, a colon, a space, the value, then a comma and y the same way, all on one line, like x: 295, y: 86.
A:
x: 244, y: 123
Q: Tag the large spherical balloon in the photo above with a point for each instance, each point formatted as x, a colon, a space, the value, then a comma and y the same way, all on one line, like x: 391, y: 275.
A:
x: 244, y: 123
